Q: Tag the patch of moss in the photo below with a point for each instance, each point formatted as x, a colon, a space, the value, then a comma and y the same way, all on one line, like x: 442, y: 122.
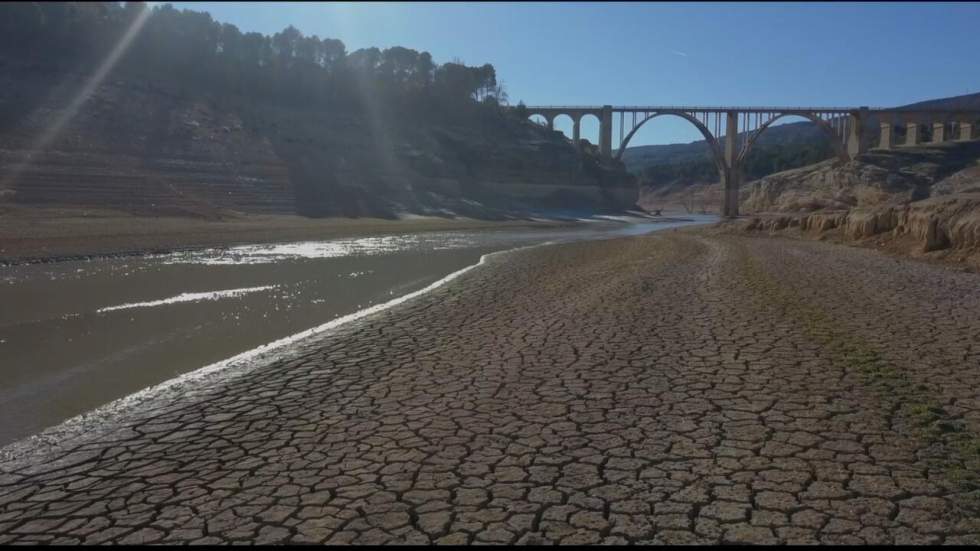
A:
x: 914, y: 406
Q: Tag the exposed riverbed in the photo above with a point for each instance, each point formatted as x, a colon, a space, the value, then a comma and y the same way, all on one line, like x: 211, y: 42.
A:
x: 749, y: 385
x: 76, y: 335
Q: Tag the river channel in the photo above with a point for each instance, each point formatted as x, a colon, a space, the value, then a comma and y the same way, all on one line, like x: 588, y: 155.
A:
x: 75, y: 335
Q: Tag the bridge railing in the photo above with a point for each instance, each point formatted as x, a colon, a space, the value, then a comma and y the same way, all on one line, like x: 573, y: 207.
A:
x: 570, y: 107
x: 766, y: 109
x: 744, y: 109
x: 696, y: 108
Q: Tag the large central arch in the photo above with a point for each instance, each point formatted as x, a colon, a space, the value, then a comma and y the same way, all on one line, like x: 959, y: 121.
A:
x: 716, y: 151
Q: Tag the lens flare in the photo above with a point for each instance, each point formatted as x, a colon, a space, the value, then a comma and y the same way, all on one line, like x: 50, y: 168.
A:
x: 54, y: 129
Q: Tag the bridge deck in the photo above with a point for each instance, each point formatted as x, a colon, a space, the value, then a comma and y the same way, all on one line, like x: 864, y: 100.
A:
x: 741, y: 109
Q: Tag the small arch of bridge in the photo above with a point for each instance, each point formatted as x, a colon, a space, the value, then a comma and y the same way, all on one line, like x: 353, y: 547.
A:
x: 561, y: 122
x: 575, y: 115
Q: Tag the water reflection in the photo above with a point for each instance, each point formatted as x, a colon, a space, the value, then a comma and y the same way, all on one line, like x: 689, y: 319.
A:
x: 75, y: 335
x: 278, y: 252
x: 189, y: 297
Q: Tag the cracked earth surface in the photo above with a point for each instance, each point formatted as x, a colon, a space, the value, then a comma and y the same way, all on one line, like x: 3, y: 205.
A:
x: 681, y: 387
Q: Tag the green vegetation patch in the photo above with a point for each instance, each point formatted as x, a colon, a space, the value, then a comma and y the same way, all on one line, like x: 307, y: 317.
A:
x: 952, y: 449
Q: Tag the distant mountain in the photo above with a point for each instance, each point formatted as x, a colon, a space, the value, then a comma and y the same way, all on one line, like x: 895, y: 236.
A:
x: 639, y: 157
x: 787, y: 136
x: 965, y: 102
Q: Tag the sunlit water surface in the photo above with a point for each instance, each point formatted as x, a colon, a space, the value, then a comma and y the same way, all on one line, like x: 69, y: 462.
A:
x: 76, y: 335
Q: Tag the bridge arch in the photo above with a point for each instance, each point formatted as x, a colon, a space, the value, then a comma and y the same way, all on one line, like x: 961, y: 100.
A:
x: 716, y: 151
x: 590, y: 127
x: 835, y: 140
x: 548, y: 120
x: 564, y: 123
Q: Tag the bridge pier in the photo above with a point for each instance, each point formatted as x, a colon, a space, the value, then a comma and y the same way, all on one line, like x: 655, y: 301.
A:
x: 887, y: 139
x: 731, y: 174
x: 605, y: 133
x: 855, y: 141
x: 966, y: 132
x: 912, y: 133
x: 576, y: 126
x: 938, y: 132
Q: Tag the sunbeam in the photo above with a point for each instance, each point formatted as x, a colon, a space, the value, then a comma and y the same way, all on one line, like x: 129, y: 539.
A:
x: 375, y: 118
x: 54, y: 130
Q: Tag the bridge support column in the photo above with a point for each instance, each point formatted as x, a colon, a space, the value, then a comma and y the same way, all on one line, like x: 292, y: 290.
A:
x: 966, y: 132
x: 938, y: 132
x: 855, y: 139
x: 732, y: 172
x: 605, y: 133
x: 912, y: 133
x: 551, y: 122
x: 887, y: 136
x: 576, y: 133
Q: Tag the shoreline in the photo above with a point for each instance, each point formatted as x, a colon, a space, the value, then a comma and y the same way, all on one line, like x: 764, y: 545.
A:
x: 102, y: 421
x: 29, y: 239
x: 247, y: 360
x: 199, y: 235
x: 85, y: 425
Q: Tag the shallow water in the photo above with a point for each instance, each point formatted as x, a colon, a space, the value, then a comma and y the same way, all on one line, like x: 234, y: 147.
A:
x: 76, y: 335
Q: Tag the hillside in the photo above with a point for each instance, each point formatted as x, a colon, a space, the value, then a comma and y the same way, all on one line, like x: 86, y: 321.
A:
x: 198, y: 119
x: 144, y: 148
x: 966, y: 102
x: 875, y: 178
x: 639, y: 157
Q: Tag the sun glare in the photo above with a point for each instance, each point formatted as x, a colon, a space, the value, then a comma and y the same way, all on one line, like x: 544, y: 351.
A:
x: 55, y: 128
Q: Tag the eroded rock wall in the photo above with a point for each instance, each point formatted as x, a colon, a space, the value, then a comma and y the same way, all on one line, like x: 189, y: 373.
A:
x: 921, y: 201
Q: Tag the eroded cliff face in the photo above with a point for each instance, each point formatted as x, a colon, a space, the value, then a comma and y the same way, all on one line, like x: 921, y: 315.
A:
x: 875, y: 178
x: 923, y: 201
x: 142, y: 148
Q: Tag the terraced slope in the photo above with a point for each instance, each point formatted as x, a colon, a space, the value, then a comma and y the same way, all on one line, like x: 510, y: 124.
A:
x: 152, y: 149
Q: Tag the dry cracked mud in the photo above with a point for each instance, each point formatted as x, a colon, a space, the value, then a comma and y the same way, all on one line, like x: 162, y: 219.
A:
x: 681, y: 387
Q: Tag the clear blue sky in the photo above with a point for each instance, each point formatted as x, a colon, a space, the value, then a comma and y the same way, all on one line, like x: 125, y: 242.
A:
x: 848, y: 54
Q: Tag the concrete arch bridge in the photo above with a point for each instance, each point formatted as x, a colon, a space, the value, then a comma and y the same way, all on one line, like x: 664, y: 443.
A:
x: 732, y: 131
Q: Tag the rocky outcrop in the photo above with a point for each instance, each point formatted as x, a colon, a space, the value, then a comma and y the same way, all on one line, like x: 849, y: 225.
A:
x: 949, y: 225
x: 947, y: 221
x: 923, y: 201
x: 874, y: 178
